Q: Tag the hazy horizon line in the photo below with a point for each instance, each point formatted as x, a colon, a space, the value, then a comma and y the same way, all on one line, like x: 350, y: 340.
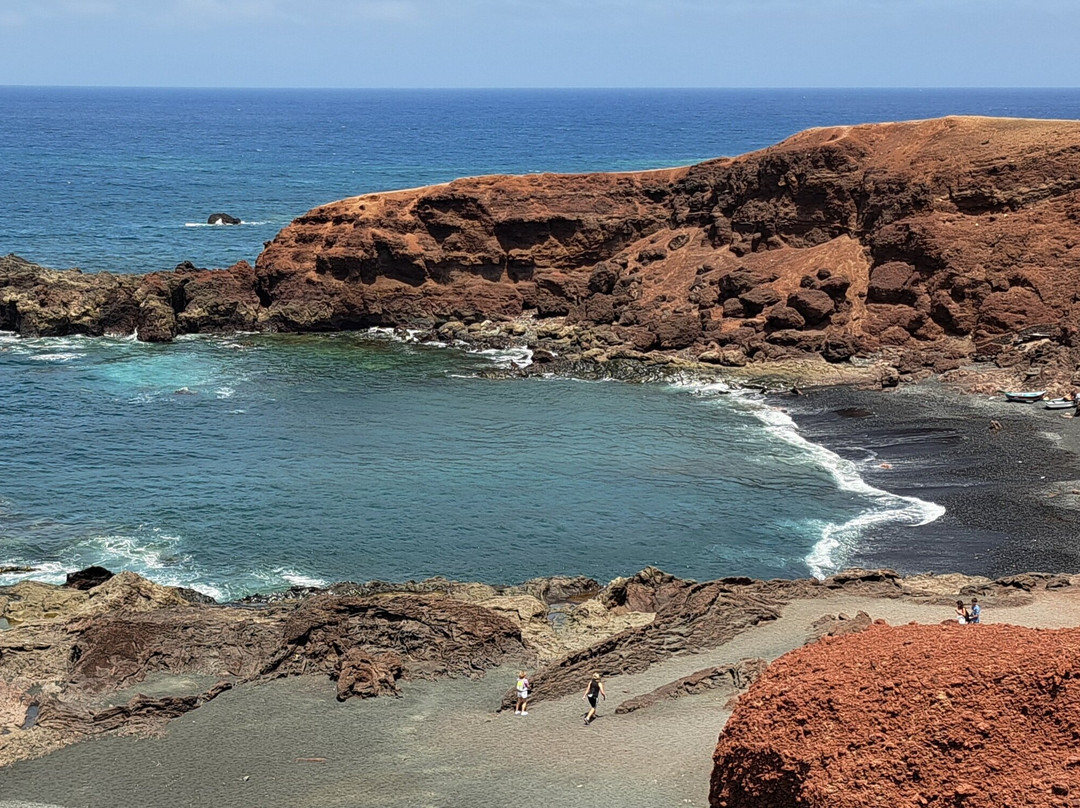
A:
x: 745, y: 88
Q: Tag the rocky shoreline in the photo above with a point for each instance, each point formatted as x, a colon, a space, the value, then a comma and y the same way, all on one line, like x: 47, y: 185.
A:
x: 871, y: 256
x: 127, y: 659
x: 67, y: 653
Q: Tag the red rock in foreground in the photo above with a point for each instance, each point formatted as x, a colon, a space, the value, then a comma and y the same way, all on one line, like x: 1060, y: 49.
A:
x: 919, y: 716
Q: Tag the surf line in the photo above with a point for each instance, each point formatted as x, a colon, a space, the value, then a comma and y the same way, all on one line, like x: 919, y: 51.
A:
x: 824, y: 556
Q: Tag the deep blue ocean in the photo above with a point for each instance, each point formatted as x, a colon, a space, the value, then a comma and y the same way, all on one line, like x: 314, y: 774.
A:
x: 248, y: 463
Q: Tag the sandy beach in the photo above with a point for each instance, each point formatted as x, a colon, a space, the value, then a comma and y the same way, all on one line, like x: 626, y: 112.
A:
x: 1011, y: 495
x: 445, y: 743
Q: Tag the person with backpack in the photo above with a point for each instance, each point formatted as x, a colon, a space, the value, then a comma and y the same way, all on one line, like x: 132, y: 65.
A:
x: 523, y: 686
x: 594, y: 690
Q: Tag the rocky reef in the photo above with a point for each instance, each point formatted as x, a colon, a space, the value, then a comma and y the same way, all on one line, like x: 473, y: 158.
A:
x: 931, y: 246
x: 916, y: 715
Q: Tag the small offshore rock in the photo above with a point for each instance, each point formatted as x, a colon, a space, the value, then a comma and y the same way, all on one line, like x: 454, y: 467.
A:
x: 222, y: 218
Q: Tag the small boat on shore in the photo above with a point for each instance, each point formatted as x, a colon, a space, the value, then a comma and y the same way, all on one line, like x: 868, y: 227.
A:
x: 1059, y: 404
x: 1026, y: 396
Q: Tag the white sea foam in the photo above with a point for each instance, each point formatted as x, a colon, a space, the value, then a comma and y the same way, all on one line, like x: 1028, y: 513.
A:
x: 222, y: 224
x: 57, y: 357
x: 299, y: 579
x: 150, y: 552
x: 51, y: 572
x: 224, y: 392
x: 836, y: 540
x: 825, y: 556
x: 514, y: 355
x: 518, y: 356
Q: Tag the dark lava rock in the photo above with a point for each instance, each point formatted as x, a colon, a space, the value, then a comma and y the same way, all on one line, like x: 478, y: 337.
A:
x: 222, y: 218
x: 88, y: 578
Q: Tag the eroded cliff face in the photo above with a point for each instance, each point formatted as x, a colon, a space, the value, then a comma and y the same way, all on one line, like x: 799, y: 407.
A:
x: 937, y: 241
x: 975, y: 716
x: 929, y: 243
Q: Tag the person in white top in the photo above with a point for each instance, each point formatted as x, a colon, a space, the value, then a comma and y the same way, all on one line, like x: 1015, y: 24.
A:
x: 523, y: 686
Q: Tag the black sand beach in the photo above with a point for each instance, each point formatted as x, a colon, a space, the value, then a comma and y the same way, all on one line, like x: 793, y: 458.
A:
x: 1008, y: 493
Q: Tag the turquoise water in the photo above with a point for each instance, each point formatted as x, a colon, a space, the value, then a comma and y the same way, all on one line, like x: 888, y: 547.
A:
x: 249, y: 463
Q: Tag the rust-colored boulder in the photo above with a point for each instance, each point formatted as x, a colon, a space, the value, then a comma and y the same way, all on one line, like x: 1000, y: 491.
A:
x: 889, y: 283
x: 783, y: 317
x: 758, y: 298
x: 814, y: 305
x: 975, y: 716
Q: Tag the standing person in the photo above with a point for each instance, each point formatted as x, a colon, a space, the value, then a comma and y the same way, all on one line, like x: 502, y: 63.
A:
x: 595, y: 688
x: 961, y: 612
x: 523, y: 686
x: 976, y: 611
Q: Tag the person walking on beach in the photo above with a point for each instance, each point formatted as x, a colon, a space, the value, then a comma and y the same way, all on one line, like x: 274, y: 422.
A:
x: 976, y: 611
x: 595, y: 689
x: 961, y: 612
x: 523, y: 686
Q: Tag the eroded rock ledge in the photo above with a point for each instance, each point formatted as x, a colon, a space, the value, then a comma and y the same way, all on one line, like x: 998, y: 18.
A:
x: 127, y: 655
x: 928, y: 245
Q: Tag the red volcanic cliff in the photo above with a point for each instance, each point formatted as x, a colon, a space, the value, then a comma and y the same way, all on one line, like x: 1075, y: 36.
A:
x: 930, y: 244
x: 909, y: 717
x: 934, y: 236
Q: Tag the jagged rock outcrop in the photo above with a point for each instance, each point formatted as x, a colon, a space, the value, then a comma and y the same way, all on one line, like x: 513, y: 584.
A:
x: 939, y: 241
x: 68, y: 648
x: 975, y: 716
x: 71, y: 659
x: 731, y: 678
x: 40, y: 302
x: 933, y: 244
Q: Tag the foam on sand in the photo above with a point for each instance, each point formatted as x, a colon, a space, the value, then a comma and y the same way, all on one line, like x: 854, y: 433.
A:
x: 839, y: 539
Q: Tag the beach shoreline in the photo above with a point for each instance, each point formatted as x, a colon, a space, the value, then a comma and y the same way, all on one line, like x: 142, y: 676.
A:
x: 446, y: 742
x: 1008, y: 493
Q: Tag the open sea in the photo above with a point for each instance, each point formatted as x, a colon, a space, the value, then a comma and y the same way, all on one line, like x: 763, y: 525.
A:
x: 250, y: 463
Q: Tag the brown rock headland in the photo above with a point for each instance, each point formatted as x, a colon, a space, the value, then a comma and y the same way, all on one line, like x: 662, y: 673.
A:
x: 926, y: 246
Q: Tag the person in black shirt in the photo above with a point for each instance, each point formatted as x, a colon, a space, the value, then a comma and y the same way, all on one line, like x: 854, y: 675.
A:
x: 594, y: 690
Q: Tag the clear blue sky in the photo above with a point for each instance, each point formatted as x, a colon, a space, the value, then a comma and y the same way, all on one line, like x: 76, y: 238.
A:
x: 541, y: 43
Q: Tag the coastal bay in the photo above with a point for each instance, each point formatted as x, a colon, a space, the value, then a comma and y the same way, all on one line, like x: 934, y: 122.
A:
x: 795, y: 352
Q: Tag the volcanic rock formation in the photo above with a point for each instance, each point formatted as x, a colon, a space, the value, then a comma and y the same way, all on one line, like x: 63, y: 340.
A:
x: 73, y: 661
x: 930, y: 244
x: 972, y: 716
